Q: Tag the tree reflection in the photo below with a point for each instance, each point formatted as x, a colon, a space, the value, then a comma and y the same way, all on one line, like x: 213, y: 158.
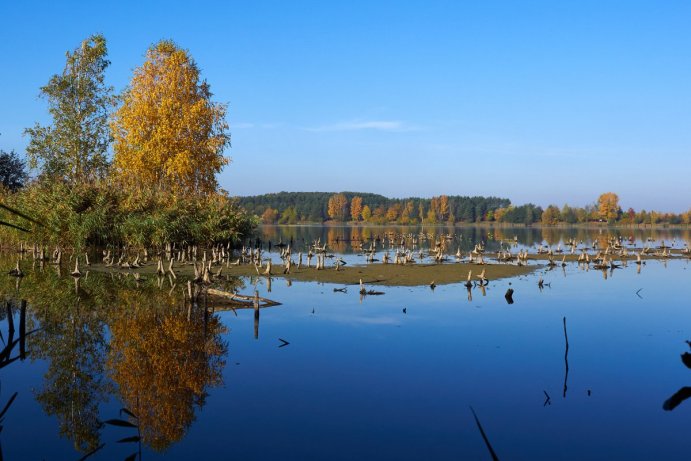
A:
x: 162, y: 356
x: 164, y: 362
x: 73, y: 343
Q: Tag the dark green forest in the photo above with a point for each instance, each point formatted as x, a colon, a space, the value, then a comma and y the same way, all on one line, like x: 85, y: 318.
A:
x: 295, y: 207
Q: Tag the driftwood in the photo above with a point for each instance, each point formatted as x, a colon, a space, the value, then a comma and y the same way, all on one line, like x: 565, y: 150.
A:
x: 242, y: 299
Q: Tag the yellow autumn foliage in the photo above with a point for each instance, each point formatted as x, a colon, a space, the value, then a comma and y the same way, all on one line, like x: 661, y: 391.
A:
x: 168, y: 134
x: 163, y: 364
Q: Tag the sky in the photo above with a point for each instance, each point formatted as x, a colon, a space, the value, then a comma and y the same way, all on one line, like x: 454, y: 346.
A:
x: 536, y: 101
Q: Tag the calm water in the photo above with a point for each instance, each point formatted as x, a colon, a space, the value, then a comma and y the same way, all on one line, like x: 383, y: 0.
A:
x: 360, y: 378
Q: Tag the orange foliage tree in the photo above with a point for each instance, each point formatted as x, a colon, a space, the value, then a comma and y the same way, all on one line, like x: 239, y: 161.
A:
x: 393, y: 212
x: 168, y: 133
x: 443, y: 208
x: 270, y: 216
x: 338, y: 207
x: 608, y: 206
x: 356, y: 208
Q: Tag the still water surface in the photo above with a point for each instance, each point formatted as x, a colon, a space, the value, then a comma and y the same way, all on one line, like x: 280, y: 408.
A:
x: 360, y: 378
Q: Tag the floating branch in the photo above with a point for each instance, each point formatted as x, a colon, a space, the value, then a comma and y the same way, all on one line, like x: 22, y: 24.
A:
x: 242, y: 299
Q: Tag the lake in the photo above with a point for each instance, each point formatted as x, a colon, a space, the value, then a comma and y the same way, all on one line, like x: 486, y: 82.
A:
x: 588, y: 366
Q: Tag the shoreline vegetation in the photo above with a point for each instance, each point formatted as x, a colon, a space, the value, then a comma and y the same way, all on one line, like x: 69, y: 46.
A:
x: 159, y: 189
x: 367, y: 208
x: 492, y: 224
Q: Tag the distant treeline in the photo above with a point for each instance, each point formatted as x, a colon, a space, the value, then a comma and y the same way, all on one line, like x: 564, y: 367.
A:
x: 607, y: 209
x: 296, y: 207
x: 300, y: 207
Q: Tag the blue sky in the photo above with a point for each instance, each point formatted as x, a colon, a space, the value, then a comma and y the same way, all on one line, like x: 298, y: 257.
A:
x: 537, y: 101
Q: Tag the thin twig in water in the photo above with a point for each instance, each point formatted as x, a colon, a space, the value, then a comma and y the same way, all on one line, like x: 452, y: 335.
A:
x: 98, y: 448
x: 7, y: 405
x: 566, y: 358
x: 637, y: 293
x: 548, y: 399
x: 484, y: 436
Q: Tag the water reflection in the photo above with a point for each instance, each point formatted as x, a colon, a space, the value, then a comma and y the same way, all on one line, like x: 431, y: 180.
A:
x: 163, y: 364
x: 349, y: 239
x: 73, y: 343
x: 111, y: 341
x: 105, y: 335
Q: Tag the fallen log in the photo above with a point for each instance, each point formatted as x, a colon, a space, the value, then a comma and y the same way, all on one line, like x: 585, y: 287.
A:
x: 238, y: 297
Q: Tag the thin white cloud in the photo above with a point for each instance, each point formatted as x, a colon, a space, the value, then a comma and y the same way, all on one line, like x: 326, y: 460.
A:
x: 243, y: 125
x: 355, y: 125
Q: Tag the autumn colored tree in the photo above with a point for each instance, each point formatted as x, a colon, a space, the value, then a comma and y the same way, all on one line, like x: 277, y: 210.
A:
x: 168, y: 132
x: 433, y: 212
x: 270, y: 216
x: 550, y: 216
x: 393, y: 212
x: 431, y: 216
x: 356, y: 208
x: 338, y: 207
x: 366, y: 213
x: 654, y: 217
x: 407, y: 213
x: 686, y: 217
x: 443, y: 208
x: 630, y: 216
x: 379, y: 214
x: 499, y: 214
x: 608, y: 206
x: 74, y: 146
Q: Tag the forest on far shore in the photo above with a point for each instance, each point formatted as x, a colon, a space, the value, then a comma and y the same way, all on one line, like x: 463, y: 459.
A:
x: 320, y: 207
